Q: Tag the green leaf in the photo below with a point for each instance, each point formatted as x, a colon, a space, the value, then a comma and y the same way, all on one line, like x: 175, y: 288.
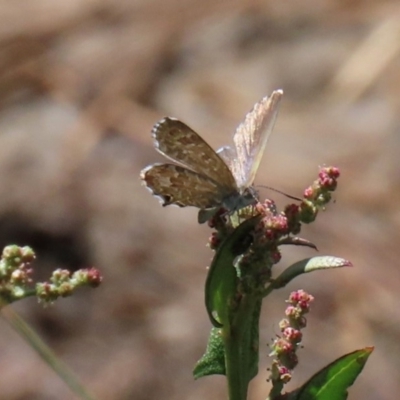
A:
x: 213, y: 360
x: 222, y: 277
x: 332, y: 382
x: 308, y: 265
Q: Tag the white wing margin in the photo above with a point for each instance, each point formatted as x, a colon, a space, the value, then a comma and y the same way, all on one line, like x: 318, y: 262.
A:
x: 251, y: 137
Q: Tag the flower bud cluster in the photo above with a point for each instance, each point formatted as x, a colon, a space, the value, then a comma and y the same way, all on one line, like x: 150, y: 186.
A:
x: 16, y: 278
x: 284, y: 347
x: 274, y: 229
x: 63, y: 283
x: 289, y: 222
x: 318, y: 194
x: 15, y: 272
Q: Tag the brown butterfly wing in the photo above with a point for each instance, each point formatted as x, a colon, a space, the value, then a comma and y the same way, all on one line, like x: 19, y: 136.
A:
x: 177, y: 141
x: 180, y: 186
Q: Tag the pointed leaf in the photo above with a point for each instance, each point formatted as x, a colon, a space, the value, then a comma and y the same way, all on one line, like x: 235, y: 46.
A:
x: 332, y: 382
x: 309, y: 265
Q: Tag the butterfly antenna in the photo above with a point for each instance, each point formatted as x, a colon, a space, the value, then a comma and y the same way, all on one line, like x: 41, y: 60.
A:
x: 280, y: 192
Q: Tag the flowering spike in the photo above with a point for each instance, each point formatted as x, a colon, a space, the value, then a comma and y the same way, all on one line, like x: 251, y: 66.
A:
x: 284, y: 347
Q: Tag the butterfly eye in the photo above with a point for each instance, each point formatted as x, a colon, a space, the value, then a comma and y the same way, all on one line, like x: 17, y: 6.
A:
x: 167, y: 200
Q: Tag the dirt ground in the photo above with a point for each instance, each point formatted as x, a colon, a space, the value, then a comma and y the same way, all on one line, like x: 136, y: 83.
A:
x: 82, y: 83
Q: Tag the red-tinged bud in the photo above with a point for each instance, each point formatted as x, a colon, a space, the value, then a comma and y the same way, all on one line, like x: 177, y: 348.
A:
x: 280, y: 373
x: 270, y: 205
x: 94, y: 278
x: 270, y: 235
x: 276, y: 256
x: 304, y: 305
x: 309, y: 193
x: 277, y: 223
x: 214, y: 241
x: 281, y: 223
x: 328, y: 183
x: 282, y: 346
x: 267, y: 209
x: 334, y: 172
x: 284, y: 374
x: 291, y: 211
x: 327, y: 178
x: 300, y: 295
x: 292, y: 312
x: 294, y: 297
x: 292, y: 334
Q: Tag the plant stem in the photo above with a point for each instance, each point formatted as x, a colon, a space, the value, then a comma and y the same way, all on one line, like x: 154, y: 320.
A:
x: 237, y: 386
x: 241, y: 347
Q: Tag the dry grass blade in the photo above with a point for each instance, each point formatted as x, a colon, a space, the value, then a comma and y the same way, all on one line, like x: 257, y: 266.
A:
x: 27, y: 333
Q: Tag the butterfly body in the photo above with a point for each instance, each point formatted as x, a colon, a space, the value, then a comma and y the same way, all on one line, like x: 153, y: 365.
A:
x: 202, y: 177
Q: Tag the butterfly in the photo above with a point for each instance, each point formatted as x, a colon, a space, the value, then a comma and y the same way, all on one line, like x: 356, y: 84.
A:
x: 202, y: 177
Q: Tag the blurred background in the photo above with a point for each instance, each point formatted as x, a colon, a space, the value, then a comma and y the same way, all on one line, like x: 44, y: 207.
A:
x: 82, y: 83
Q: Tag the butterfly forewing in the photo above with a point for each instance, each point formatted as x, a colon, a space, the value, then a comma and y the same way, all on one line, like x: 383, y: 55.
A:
x: 251, y: 137
x: 178, y: 185
x: 177, y: 141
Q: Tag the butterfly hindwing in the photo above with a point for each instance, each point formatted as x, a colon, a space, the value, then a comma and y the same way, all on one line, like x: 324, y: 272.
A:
x: 180, y: 186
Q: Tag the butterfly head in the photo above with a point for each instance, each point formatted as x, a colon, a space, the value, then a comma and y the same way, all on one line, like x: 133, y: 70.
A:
x: 247, y: 197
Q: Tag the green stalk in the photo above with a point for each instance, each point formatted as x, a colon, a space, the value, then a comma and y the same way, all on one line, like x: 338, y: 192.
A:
x: 237, y: 385
x: 241, y: 347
